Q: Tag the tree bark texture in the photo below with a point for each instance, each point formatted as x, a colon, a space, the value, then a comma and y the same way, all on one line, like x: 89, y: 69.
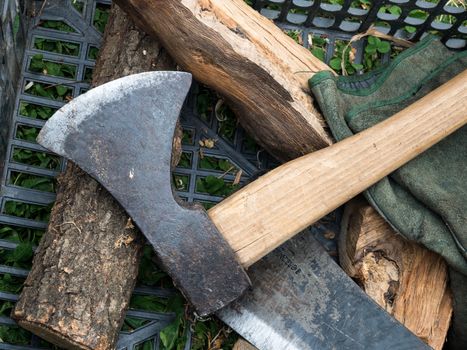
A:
x: 86, y: 265
x: 406, y: 279
x: 261, y: 72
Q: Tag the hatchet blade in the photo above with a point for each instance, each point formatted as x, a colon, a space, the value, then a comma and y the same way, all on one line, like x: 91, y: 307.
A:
x: 121, y: 134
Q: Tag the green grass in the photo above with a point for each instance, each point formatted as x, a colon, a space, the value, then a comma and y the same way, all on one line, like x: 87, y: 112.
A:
x: 186, y: 159
x: 174, y: 335
x: 33, y: 182
x: 50, y: 91
x: 12, y: 334
x: 57, y: 25
x: 215, y: 186
x: 101, y: 16
x: 88, y: 74
x: 27, y: 133
x: 9, y: 283
x: 35, y: 111
x: 295, y: 35
x: 78, y: 5
x: 20, y: 257
x: 344, y: 55
x: 188, y: 137
x: 36, y: 158
x: 18, y: 234
x: 58, y: 69
x: 219, y: 164
x: 28, y: 211
x: 205, y: 100
x: 57, y: 46
x: 227, y: 123
x: 93, y: 52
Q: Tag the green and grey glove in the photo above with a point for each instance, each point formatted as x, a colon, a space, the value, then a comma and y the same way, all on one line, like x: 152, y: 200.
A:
x: 426, y: 199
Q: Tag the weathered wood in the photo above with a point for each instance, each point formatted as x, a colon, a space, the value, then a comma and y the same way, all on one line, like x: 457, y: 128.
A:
x: 86, y: 265
x: 261, y: 71
x: 130, y: 51
x: 267, y: 212
x: 243, y: 345
x: 407, y: 280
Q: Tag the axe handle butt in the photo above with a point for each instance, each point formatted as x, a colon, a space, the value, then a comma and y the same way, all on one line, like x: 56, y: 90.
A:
x: 272, y: 209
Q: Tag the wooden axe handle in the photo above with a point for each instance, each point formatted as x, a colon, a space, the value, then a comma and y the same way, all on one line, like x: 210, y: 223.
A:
x: 272, y: 209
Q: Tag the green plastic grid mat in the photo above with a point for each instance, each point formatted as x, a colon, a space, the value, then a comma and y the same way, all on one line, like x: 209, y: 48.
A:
x: 48, y: 59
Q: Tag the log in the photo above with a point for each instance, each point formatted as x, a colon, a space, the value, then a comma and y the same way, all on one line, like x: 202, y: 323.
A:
x: 86, y: 265
x: 406, y: 279
x: 258, y: 69
x: 216, y: 43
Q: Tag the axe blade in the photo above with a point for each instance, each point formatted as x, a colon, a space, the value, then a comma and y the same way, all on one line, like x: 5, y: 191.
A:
x: 121, y: 134
x: 302, y: 300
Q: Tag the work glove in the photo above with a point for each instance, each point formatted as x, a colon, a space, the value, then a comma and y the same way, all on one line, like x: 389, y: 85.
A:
x: 426, y: 199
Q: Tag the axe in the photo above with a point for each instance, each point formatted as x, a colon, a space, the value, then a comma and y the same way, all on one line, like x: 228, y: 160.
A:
x: 121, y: 134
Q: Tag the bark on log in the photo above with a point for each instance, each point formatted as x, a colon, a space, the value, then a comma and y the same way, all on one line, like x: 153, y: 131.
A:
x: 407, y: 280
x: 86, y: 265
x: 260, y: 71
x: 271, y: 99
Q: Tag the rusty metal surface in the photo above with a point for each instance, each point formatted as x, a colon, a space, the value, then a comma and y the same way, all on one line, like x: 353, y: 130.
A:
x: 121, y: 134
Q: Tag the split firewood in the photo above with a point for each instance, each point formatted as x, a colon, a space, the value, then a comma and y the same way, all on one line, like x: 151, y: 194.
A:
x: 86, y: 265
x: 406, y: 279
x: 258, y: 69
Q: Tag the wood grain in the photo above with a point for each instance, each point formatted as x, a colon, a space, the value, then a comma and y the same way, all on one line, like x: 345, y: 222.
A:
x: 272, y: 209
x: 257, y: 68
x: 243, y: 345
x: 405, y: 279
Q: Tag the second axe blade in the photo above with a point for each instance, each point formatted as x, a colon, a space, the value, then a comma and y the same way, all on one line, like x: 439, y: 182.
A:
x: 301, y: 300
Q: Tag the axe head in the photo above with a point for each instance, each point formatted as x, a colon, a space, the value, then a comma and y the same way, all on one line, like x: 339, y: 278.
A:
x: 121, y: 134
